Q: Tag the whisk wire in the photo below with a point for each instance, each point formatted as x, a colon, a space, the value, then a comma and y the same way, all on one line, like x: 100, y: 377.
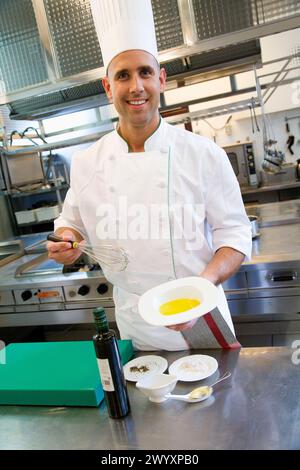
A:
x: 112, y: 257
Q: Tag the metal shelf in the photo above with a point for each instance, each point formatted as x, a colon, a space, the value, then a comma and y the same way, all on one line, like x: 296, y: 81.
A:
x: 212, y: 112
x: 56, y: 145
x: 38, y: 222
x: 37, y: 191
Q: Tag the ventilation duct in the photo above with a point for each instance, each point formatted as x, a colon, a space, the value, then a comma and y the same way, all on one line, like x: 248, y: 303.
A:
x: 51, y: 63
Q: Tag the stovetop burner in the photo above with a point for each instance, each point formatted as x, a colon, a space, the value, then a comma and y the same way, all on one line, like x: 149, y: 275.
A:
x: 82, y: 264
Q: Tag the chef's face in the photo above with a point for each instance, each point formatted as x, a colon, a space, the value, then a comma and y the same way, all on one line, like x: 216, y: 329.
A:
x: 134, y: 83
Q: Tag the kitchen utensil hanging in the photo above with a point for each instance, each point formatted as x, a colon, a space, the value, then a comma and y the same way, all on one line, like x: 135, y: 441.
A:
x: 253, y: 116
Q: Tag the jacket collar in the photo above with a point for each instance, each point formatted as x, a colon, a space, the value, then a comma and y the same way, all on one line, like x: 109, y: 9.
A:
x: 154, y: 142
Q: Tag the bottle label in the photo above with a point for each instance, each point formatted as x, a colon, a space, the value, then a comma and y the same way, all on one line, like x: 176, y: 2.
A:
x: 105, y: 374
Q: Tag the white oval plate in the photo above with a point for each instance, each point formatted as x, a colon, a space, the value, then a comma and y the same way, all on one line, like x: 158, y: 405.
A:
x: 153, y: 364
x: 193, y: 367
x: 187, y: 287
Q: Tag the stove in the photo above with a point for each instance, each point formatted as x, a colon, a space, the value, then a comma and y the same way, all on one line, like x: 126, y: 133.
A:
x: 37, y: 291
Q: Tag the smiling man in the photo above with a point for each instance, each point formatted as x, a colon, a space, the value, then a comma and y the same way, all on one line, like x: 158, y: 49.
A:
x: 134, y: 82
x: 168, y: 197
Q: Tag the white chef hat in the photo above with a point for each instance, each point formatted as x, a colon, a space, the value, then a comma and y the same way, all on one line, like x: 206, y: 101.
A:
x: 124, y: 25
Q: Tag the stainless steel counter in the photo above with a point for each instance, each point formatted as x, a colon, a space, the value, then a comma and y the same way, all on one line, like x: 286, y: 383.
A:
x: 264, y: 296
x: 276, y: 244
x: 273, y: 187
x: 43, y: 279
x: 279, y: 240
x: 276, y: 213
x: 258, y: 408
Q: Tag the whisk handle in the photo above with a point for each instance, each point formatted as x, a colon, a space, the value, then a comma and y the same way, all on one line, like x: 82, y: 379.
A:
x: 55, y: 238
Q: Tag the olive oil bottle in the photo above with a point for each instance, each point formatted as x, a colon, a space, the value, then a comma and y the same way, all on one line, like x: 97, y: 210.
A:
x: 110, y: 367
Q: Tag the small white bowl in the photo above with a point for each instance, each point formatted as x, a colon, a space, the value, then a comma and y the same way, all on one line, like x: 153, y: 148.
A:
x: 155, y: 387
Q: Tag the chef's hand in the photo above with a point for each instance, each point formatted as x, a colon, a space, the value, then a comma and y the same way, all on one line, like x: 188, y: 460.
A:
x: 62, y: 252
x: 183, y: 326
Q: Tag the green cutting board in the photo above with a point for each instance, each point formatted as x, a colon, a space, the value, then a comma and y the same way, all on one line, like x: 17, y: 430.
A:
x: 54, y: 373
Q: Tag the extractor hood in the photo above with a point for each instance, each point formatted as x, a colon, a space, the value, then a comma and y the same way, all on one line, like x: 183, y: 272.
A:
x: 208, y: 65
x: 51, y: 63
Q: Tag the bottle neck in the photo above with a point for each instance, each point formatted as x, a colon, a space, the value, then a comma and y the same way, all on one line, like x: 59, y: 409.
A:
x: 101, y: 322
x: 101, y: 326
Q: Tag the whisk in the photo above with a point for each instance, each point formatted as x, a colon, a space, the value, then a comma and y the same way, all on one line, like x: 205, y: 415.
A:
x: 108, y: 256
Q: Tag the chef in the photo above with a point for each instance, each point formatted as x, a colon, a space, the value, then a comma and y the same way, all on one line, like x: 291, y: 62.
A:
x: 168, y: 197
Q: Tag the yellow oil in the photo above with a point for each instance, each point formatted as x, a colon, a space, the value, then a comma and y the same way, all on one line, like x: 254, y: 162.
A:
x: 178, y: 306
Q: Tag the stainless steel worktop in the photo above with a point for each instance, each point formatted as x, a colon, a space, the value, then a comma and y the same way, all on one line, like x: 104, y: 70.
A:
x: 267, y: 288
x: 276, y: 213
x: 279, y: 228
x: 258, y: 408
x: 273, y: 187
x: 274, y: 245
x: 56, y: 278
x: 277, y: 244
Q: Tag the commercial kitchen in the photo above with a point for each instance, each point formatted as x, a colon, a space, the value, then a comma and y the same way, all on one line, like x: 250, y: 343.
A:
x: 233, y: 76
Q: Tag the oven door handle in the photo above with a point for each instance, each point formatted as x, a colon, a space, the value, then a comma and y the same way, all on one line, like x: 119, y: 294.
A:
x: 283, y: 277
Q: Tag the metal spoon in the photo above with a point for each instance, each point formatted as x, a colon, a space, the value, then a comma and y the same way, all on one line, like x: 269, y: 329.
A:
x: 199, y: 393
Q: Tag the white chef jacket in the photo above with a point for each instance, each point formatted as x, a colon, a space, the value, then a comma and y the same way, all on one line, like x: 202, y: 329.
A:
x: 177, y: 167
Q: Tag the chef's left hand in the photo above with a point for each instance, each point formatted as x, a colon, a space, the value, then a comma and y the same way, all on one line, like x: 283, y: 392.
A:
x: 183, y: 326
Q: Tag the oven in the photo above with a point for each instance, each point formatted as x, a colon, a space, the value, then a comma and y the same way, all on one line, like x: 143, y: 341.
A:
x: 241, y: 157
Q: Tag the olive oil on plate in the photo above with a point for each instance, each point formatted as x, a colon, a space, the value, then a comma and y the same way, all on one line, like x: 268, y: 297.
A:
x: 176, y: 306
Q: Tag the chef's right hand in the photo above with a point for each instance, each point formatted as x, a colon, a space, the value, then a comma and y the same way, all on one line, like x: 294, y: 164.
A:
x: 62, y: 252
